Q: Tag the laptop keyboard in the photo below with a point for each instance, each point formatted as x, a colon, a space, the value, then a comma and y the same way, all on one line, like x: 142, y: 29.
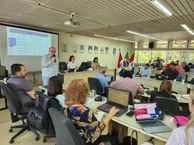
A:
x: 151, y: 124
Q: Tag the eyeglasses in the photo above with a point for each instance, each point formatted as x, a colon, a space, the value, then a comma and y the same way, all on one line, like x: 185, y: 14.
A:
x: 52, y: 51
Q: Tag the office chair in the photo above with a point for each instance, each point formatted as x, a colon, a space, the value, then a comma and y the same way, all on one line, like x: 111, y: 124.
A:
x: 167, y: 105
x: 62, y: 66
x: 83, y: 66
x: 95, y: 84
x: 65, y: 131
x: 89, y: 64
x: 16, y: 115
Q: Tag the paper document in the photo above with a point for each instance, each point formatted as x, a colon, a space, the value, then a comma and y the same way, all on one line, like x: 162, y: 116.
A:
x: 99, y: 115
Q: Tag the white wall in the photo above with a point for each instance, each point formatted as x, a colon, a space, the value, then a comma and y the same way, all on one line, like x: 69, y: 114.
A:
x: 104, y: 59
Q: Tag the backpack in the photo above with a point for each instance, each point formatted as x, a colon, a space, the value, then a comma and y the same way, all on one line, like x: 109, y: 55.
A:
x: 38, y: 116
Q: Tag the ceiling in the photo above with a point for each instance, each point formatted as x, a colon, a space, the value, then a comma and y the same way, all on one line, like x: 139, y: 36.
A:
x: 103, y: 17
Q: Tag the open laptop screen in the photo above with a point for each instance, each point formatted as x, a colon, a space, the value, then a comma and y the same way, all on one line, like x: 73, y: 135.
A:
x: 146, y: 111
x: 118, y: 96
x: 109, y: 78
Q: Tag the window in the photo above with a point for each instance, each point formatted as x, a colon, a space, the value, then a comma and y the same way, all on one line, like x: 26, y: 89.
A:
x: 192, y: 44
x: 191, y: 57
x: 162, y: 44
x: 145, y: 44
x: 179, y: 44
x: 136, y: 45
x: 177, y: 55
x: 144, y: 56
x: 161, y: 54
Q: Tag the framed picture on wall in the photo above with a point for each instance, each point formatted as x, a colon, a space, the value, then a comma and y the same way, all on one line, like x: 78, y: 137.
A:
x: 106, y: 50
x: 114, y: 51
x: 74, y: 48
x: 65, y: 47
x: 101, y: 49
x: 95, y: 49
x: 90, y: 49
x: 81, y: 49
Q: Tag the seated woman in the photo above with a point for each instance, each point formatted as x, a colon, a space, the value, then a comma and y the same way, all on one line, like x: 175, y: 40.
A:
x: 165, y: 91
x: 182, y: 135
x: 71, y: 66
x: 83, y: 118
x: 55, y: 88
x: 95, y: 64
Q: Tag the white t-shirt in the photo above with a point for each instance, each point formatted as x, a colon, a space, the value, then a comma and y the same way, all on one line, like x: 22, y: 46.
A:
x: 71, y: 65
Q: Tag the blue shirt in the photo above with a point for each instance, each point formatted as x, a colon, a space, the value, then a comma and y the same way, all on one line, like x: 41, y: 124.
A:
x: 144, y: 71
x: 49, y: 68
x: 103, y: 80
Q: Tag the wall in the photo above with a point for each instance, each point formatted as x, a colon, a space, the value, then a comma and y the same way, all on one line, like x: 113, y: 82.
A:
x: 109, y: 59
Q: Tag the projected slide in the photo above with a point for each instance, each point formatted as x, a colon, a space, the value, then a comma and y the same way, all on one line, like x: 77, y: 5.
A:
x: 25, y: 42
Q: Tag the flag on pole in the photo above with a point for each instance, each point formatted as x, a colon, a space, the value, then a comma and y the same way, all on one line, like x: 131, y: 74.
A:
x: 127, y: 56
x: 119, y: 60
x: 131, y: 61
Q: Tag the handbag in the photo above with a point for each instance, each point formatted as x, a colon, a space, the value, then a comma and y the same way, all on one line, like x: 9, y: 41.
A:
x: 38, y: 115
x: 131, y: 140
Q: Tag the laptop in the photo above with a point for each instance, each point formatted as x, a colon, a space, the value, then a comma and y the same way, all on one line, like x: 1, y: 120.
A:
x: 147, y: 117
x: 109, y: 78
x: 117, y: 98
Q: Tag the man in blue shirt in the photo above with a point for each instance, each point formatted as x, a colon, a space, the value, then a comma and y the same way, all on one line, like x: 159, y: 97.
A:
x: 49, y: 66
x: 145, y: 71
x: 102, y: 78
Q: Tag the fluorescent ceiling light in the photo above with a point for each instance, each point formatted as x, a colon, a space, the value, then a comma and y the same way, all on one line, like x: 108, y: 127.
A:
x: 161, y: 7
x: 143, y: 35
x: 113, y: 38
x: 187, y: 29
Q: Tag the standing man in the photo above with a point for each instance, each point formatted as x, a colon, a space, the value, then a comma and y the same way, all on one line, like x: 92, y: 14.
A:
x: 20, y: 86
x: 49, y: 66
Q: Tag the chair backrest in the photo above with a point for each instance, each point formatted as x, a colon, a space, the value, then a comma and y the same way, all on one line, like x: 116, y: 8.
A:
x: 13, y: 100
x: 167, y: 105
x: 89, y: 63
x: 3, y: 72
x: 83, y: 66
x: 62, y: 66
x: 65, y: 131
x: 95, y: 84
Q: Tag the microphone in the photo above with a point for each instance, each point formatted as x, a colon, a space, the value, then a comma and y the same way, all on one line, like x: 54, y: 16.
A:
x: 54, y: 57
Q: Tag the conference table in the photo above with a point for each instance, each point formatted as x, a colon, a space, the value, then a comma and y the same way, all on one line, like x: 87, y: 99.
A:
x: 178, y: 87
x: 68, y: 77
x: 182, y: 98
x: 130, y: 122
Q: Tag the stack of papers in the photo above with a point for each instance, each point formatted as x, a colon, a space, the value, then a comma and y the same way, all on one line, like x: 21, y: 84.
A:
x: 99, y: 115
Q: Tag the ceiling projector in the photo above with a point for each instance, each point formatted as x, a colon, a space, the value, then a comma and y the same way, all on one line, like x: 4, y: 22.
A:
x: 71, y: 22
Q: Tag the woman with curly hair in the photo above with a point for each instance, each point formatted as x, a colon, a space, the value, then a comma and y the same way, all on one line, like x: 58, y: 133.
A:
x: 83, y: 118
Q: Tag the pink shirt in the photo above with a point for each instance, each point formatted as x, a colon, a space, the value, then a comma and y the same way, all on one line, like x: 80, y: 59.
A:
x: 128, y: 84
x: 180, y: 69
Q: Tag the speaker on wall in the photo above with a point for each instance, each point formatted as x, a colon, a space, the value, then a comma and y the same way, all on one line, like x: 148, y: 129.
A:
x: 151, y: 45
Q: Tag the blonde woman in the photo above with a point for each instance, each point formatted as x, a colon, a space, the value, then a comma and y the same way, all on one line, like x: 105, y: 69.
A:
x: 83, y: 118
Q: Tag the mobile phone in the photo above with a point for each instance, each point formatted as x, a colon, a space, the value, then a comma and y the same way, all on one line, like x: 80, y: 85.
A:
x: 130, y: 113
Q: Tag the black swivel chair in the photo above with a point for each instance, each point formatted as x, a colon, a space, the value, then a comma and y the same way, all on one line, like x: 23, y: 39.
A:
x: 16, y: 115
x: 167, y: 105
x: 62, y: 66
x: 95, y: 84
x: 65, y: 131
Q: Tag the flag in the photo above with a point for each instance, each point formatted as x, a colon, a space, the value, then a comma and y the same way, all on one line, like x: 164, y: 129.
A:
x: 119, y: 60
x: 127, y: 56
x: 131, y: 61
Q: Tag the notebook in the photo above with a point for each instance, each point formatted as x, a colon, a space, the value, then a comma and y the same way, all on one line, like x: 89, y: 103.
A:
x: 147, y: 117
x: 117, y: 98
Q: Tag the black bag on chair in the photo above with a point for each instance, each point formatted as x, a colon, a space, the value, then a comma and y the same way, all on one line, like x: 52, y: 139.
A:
x: 130, y: 140
x: 38, y: 116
